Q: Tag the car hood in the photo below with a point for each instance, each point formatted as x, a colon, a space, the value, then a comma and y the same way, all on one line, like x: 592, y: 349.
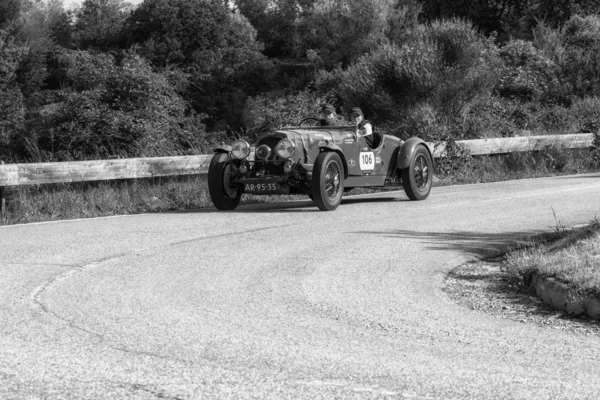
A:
x: 308, y: 135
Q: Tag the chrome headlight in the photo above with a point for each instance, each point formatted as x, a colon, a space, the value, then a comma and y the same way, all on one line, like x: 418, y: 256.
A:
x: 240, y: 149
x: 263, y: 152
x: 285, y: 149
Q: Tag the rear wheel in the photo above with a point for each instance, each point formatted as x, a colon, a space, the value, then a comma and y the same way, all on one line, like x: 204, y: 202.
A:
x: 417, y: 178
x: 223, y: 195
x: 328, y: 181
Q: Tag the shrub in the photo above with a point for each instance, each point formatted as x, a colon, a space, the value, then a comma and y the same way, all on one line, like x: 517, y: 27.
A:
x: 527, y: 75
x: 557, y: 120
x: 12, y: 108
x: 487, y: 116
x: 587, y: 114
x: 581, y: 63
x: 263, y: 113
x: 431, y: 77
x: 111, y: 108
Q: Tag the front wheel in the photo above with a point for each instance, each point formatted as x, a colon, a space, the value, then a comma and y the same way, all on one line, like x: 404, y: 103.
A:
x: 417, y: 178
x: 328, y: 181
x: 223, y: 195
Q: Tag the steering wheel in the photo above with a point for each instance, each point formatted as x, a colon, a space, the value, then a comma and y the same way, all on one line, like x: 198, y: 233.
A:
x: 317, y: 120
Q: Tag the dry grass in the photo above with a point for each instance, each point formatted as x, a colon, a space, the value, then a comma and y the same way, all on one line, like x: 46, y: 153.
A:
x: 573, y: 258
x: 93, y: 199
x: 27, y: 204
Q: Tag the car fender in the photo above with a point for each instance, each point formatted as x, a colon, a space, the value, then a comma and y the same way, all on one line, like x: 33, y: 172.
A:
x: 407, y: 149
x: 222, y: 149
x: 337, y: 149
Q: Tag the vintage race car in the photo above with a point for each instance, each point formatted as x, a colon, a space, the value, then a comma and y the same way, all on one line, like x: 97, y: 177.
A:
x: 322, y: 162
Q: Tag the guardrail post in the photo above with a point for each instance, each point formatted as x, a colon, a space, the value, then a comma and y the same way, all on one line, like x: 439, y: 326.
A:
x: 2, y: 197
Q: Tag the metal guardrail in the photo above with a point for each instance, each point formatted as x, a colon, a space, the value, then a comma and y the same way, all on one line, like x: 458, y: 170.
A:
x: 131, y: 168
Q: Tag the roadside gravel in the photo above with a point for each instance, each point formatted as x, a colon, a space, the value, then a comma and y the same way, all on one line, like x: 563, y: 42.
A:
x: 488, y: 287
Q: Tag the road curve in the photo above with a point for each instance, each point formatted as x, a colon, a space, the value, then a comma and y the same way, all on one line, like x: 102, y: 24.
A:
x: 284, y: 301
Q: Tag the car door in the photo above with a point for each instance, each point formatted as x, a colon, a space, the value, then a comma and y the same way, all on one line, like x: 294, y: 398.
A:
x: 362, y: 160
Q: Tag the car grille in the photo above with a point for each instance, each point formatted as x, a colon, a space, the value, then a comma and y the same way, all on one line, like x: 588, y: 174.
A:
x: 274, y: 164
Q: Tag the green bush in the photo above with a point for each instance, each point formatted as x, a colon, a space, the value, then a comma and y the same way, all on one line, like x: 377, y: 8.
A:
x: 587, y: 114
x: 527, y: 74
x: 115, y: 109
x: 487, y: 116
x: 581, y: 64
x: 426, y: 81
x: 263, y: 113
x: 12, y: 105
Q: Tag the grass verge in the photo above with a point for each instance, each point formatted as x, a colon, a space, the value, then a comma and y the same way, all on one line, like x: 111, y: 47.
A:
x: 26, y: 204
x: 573, y: 258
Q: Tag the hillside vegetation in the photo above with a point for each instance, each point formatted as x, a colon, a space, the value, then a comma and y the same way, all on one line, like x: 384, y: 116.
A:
x: 172, y: 77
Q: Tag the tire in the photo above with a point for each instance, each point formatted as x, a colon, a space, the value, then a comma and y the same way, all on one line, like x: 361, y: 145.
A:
x: 223, y: 196
x: 417, y: 178
x: 328, y: 181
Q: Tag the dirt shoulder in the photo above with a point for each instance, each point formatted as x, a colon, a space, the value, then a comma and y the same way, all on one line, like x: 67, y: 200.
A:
x: 489, y: 287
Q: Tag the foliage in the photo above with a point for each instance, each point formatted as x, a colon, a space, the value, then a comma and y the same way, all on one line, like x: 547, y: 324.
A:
x: 346, y: 29
x: 587, y: 114
x: 215, y: 47
x: 402, y: 19
x: 437, y: 72
x: 9, y: 11
x: 527, y: 74
x: 12, y: 110
x: 264, y: 113
x: 99, y: 23
x: 111, y: 108
x: 581, y: 63
x: 280, y: 24
x: 187, y: 33
x: 509, y: 19
x: 488, y: 116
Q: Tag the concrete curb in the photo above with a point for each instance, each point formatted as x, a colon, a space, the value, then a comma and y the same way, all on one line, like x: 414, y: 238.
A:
x: 562, y: 297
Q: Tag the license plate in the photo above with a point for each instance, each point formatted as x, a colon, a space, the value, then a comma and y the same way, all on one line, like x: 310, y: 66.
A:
x: 261, y: 187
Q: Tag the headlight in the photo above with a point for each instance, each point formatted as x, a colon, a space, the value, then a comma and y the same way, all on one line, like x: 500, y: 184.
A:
x: 263, y: 152
x: 240, y: 149
x: 285, y: 149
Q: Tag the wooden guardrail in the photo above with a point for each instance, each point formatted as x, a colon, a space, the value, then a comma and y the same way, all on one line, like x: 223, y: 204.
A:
x: 84, y: 171
x: 518, y: 144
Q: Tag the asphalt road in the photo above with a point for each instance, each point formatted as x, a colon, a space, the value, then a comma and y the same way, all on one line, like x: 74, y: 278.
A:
x: 284, y: 301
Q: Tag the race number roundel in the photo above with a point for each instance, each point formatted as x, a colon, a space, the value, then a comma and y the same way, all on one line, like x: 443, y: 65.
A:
x: 367, y: 161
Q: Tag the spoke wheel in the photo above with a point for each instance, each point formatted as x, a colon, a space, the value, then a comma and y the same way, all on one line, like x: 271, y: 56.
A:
x: 222, y: 193
x: 328, y: 181
x: 417, y: 178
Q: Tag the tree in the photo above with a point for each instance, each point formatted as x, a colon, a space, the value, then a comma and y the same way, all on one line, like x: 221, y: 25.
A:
x: 180, y: 32
x: 12, y: 109
x: 111, y: 107
x: 346, y: 29
x: 509, y: 18
x: 280, y: 24
x: 217, y: 49
x: 9, y: 11
x: 98, y: 24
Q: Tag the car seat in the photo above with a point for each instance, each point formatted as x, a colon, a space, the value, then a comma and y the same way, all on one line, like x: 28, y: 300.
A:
x: 374, y: 139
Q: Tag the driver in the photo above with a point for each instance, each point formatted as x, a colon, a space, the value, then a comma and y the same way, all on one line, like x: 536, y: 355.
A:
x: 363, y: 127
x: 329, y: 116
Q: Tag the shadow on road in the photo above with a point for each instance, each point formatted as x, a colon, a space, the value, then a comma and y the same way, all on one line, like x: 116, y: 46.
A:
x: 292, y: 206
x: 480, y: 244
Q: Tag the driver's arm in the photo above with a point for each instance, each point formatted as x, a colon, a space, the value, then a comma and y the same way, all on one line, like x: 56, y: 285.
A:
x: 366, y: 130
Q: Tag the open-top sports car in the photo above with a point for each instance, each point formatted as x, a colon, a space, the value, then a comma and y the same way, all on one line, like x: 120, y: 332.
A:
x: 322, y: 162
